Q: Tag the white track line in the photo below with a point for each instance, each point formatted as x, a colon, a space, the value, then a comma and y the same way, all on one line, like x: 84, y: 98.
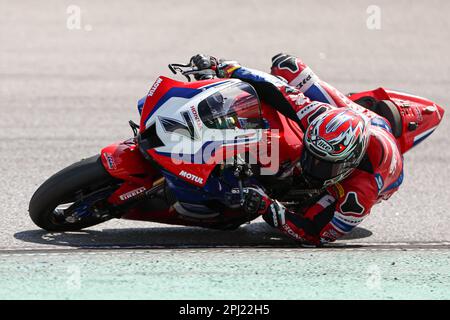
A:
x: 240, y: 252
x: 141, y: 249
x: 105, y: 253
x: 338, y: 245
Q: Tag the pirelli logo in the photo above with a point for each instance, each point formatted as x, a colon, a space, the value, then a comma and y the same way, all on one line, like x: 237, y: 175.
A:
x: 132, y: 193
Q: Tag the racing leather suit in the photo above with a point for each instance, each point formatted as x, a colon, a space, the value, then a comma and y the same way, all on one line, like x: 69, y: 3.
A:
x: 298, y: 93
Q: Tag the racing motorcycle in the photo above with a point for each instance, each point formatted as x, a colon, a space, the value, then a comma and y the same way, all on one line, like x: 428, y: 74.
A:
x: 198, y: 146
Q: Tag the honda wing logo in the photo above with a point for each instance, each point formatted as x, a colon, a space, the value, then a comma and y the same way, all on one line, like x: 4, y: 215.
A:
x: 185, y: 128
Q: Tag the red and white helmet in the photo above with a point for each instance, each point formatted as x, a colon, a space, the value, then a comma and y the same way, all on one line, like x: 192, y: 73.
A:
x: 334, y: 144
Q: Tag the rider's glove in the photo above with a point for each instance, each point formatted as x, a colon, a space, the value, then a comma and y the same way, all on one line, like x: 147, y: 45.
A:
x: 275, y: 215
x: 209, y: 67
x: 256, y: 201
x: 206, y: 66
x: 202, y: 61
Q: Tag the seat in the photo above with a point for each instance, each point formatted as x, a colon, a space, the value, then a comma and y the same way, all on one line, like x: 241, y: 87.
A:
x: 386, y: 109
x: 389, y: 110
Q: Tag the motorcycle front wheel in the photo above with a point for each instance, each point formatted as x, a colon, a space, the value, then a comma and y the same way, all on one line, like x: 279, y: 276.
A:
x: 72, y: 199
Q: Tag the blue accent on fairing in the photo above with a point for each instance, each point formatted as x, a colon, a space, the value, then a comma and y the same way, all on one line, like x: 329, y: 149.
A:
x: 141, y: 104
x: 395, y: 184
x: 187, y: 93
x: 257, y: 76
x: 341, y: 225
x: 315, y: 94
x: 421, y: 139
x: 380, y: 122
x: 214, y: 189
x: 184, y: 191
x: 213, y: 85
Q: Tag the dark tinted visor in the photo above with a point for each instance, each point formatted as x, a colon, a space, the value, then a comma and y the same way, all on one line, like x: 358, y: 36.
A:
x: 320, y: 169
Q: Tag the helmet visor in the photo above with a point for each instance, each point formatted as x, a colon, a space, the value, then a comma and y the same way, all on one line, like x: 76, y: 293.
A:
x: 318, y: 170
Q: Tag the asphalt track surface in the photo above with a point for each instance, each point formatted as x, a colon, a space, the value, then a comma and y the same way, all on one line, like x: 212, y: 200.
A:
x: 64, y: 94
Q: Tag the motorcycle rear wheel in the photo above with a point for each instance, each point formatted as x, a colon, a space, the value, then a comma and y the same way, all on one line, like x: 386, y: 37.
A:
x: 81, y: 180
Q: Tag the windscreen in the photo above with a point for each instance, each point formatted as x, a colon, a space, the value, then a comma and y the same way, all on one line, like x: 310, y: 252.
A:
x: 233, y: 107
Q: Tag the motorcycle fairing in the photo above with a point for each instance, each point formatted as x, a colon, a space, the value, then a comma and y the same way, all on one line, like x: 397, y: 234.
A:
x: 124, y: 161
x: 419, y: 116
x: 190, y: 149
x: 165, y: 89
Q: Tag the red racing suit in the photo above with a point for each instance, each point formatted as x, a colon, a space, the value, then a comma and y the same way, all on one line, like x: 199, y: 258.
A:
x: 295, y: 91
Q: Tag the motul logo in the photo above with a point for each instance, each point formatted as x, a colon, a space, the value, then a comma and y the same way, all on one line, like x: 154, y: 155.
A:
x: 190, y: 176
x: 154, y: 87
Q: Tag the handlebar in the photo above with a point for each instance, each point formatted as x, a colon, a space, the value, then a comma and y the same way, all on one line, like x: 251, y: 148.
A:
x: 185, y: 69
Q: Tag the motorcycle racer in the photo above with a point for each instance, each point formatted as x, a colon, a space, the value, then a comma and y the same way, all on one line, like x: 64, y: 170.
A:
x: 349, y: 151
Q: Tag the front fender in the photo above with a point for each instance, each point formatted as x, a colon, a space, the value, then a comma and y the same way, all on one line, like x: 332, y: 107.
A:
x: 124, y: 161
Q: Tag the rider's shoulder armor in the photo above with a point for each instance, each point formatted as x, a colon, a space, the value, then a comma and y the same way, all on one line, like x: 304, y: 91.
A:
x: 386, y: 161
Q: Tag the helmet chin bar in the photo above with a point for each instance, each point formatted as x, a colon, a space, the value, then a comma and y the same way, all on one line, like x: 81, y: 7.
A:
x: 338, y: 178
x: 322, y: 184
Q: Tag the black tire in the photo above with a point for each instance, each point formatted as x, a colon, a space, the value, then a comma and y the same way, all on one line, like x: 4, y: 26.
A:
x: 86, y: 175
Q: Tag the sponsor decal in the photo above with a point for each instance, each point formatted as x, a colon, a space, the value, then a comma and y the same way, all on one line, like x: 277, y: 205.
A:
x: 419, y: 114
x: 291, y: 232
x: 237, y: 191
x: 291, y: 90
x: 301, y: 100
x: 323, y: 145
x: 132, y: 193
x: 190, y: 176
x: 326, y: 201
x: 329, y: 235
x: 304, y: 80
x: 110, y: 161
x: 154, y: 87
x: 196, y: 117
